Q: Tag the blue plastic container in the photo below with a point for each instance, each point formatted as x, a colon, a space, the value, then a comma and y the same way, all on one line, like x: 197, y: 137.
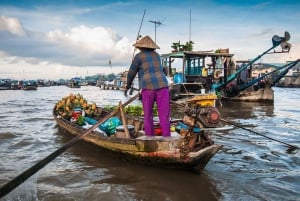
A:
x: 178, y: 78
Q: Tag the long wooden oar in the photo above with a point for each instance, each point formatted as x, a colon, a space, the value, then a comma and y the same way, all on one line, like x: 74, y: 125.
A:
x: 291, y: 147
x: 31, y: 171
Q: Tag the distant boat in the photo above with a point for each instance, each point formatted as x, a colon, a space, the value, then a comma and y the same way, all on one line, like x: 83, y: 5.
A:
x: 74, y: 83
x: 83, y: 83
x: 5, y: 84
x: 291, y: 79
x: 40, y: 83
x: 257, y: 85
x: 16, y: 85
x: 29, y: 85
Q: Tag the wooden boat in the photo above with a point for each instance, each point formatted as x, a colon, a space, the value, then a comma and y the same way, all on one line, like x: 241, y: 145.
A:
x: 257, y: 85
x: 292, y: 79
x: 29, y: 85
x: 216, y: 71
x: 5, y: 84
x: 16, y: 85
x: 74, y: 83
x: 190, y: 148
x: 260, y: 95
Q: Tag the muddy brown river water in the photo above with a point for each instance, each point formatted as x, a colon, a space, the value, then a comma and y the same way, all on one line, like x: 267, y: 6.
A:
x: 249, y: 167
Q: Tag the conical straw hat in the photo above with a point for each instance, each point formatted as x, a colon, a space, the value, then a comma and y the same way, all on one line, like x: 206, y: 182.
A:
x: 146, y: 42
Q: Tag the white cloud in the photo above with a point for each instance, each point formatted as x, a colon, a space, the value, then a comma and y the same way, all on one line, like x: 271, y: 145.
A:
x: 78, y: 46
x: 20, y: 68
x: 78, y: 39
x: 92, y: 40
x: 11, y: 25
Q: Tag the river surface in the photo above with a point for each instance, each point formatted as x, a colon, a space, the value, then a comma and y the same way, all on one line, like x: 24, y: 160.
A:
x: 249, y: 167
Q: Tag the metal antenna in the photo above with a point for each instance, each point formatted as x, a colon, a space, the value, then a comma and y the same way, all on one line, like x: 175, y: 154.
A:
x: 156, y: 24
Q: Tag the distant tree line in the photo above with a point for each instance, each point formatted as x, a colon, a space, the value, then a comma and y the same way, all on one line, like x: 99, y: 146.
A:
x: 92, y: 79
x: 103, y: 77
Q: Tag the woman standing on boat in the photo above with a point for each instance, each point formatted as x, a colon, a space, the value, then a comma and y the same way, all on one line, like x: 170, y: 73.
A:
x: 154, y: 85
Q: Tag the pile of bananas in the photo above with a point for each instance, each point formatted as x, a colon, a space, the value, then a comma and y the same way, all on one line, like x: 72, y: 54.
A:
x: 65, y: 107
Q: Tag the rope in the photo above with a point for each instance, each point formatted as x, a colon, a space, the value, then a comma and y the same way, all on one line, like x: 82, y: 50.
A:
x: 291, y: 147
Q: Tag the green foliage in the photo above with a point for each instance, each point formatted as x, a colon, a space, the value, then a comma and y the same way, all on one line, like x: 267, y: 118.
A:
x: 108, y: 77
x: 109, y: 107
x: 189, y: 46
x: 133, y: 110
x: 179, y: 47
x: 80, y: 120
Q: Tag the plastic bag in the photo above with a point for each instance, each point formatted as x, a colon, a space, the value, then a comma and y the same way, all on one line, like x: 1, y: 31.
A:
x: 110, y: 125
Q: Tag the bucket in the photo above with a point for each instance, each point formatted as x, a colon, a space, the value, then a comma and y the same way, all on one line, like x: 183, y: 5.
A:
x: 157, y: 131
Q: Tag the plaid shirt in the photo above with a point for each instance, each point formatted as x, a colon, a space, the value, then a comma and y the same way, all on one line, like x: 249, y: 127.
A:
x: 147, y: 64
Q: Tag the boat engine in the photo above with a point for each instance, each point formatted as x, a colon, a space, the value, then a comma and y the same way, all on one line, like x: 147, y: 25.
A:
x: 202, y: 116
x: 200, y: 111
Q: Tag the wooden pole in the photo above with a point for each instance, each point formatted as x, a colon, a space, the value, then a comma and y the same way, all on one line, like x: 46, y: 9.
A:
x: 124, y: 120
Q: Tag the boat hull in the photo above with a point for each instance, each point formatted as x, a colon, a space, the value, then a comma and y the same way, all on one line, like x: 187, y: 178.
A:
x: 154, y: 151
x: 260, y: 95
x: 28, y: 88
x: 290, y: 82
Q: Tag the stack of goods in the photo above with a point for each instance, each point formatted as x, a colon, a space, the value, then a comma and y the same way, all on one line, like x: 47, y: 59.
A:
x: 75, y: 107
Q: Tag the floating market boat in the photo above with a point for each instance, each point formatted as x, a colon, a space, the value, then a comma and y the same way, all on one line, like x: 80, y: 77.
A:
x: 197, y: 72
x: 5, y: 84
x: 189, y: 147
x: 257, y: 87
x: 29, y: 85
x: 291, y: 79
x: 74, y: 83
x: 16, y: 85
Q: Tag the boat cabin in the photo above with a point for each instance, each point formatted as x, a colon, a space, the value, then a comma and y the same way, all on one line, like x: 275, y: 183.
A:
x: 194, y: 72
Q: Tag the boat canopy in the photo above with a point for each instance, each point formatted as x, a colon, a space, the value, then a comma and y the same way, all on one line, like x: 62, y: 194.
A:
x: 193, y: 62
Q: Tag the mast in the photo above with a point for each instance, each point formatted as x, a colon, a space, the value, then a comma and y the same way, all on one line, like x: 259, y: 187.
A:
x: 190, y: 29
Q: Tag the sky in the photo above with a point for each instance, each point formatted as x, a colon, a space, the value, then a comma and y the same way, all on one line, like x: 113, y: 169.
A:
x: 56, y: 39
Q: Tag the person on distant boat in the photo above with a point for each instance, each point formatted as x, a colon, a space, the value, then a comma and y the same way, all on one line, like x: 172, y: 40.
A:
x: 244, y: 75
x: 154, y: 85
x: 204, y: 71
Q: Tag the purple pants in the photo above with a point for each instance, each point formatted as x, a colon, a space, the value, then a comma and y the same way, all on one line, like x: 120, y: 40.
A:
x: 162, y: 99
